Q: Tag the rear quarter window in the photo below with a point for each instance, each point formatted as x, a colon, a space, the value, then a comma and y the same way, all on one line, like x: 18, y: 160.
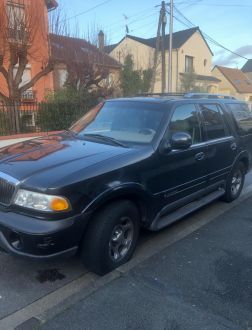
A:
x: 242, y: 116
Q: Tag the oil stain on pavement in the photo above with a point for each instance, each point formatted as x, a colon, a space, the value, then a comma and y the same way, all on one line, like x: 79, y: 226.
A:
x: 49, y: 275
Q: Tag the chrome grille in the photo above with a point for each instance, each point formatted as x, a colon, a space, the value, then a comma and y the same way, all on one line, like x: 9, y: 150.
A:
x: 7, y: 190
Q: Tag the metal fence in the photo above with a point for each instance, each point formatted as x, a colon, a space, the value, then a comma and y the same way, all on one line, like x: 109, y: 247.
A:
x: 18, y: 117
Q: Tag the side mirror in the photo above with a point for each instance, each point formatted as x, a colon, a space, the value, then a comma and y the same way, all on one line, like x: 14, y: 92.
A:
x: 181, y: 140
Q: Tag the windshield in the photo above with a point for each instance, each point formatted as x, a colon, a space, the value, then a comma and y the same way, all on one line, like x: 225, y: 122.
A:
x: 132, y: 122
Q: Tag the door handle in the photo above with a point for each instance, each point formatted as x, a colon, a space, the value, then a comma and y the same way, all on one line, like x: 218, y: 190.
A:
x: 233, y: 146
x: 200, y: 156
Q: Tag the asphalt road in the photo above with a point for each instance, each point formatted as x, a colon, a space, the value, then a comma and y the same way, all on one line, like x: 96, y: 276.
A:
x: 23, y: 282
x: 202, y: 281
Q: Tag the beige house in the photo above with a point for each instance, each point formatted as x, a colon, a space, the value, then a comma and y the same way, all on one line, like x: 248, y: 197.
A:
x: 233, y: 82
x: 190, y: 53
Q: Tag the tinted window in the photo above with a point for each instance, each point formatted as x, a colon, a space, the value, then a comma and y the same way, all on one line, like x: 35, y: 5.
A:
x: 213, y: 121
x: 243, y: 117
x: 135, y: 122
x: 185, y: 119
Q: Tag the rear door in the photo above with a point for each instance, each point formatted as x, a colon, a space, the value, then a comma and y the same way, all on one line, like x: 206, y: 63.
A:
x: 221, y: 144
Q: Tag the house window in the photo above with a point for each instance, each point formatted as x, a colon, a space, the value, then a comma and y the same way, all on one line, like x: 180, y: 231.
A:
x: 189, y: 64
x: 62, y: 77
x: 16, y: 21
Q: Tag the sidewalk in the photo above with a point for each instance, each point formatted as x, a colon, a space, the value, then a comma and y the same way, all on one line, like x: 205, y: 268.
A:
x: 203, y: 281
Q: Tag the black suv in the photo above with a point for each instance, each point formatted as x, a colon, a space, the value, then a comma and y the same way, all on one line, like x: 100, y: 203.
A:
x: 128, y: 163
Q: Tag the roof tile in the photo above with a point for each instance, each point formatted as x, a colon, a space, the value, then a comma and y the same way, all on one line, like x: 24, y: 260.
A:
x: 247, y: 66
x: 179, y: 38
x: 237, y: 78
x: 79, y: 50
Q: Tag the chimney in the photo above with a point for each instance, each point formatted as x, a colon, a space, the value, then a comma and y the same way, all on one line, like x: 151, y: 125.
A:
x: 101, y: 41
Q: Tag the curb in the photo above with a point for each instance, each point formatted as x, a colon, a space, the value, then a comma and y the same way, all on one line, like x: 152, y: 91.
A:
x: 49, y: 306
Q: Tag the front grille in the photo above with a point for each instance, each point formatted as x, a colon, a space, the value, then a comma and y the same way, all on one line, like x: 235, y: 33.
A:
x: 7, y: 190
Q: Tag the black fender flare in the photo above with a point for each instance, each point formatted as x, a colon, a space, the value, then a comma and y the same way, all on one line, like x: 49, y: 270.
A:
x: 244, y: 155
x: 126, y: 190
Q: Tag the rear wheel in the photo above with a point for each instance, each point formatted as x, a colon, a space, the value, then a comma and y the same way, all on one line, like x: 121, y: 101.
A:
x: 235, y: 183
x: 111, y: 237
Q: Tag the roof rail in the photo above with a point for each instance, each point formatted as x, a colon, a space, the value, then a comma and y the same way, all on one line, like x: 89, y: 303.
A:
x: 190, y: 95
x: 160, y: 94
x: 208, y: 96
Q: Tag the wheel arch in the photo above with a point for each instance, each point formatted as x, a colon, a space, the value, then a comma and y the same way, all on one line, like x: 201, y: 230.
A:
x: 244, y: 159
x: 132, y: 192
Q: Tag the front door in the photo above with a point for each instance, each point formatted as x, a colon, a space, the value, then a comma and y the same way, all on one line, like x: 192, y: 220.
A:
x: 182, y: 173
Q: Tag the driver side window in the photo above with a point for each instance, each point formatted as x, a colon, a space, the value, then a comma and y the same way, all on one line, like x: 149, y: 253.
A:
x: 185, y: 119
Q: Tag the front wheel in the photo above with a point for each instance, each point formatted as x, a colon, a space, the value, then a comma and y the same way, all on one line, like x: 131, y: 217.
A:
x: 111, y: 237
x: 235, y: 183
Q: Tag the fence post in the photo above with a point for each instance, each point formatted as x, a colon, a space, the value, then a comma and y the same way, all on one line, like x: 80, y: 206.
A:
x: 17, y: 117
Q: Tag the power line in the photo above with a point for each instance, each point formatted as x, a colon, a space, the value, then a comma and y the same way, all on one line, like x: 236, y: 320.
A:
x: 135, y: 23
x: 210, y: 39
x: 118, y: 22
x: 86, y: 11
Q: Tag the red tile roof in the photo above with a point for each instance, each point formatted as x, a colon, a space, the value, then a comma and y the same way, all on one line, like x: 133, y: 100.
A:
x: 237, y: 78
x: 79, y: 50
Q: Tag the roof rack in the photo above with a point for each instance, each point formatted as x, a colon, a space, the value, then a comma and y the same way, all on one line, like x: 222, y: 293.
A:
x: 161, y: 94
x: 208, y: 96
x: 190, y: 95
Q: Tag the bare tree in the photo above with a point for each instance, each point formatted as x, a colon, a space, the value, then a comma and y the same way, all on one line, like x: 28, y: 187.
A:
x: 23, y: 29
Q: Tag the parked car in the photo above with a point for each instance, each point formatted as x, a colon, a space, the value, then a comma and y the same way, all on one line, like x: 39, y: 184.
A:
x: 128, y: 163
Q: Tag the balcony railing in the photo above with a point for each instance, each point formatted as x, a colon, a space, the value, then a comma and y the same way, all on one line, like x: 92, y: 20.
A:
x: 29, y: 96
x: 19, y: 35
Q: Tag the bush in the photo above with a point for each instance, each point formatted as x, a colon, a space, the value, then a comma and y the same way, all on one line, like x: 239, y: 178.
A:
x: 5, y: 123
x: 63, y: 108
x: 57, y: 116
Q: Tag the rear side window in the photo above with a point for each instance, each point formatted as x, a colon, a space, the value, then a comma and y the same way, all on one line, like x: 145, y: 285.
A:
x: 243, y: 117
x: 185, y: 119
x: 213, y: 121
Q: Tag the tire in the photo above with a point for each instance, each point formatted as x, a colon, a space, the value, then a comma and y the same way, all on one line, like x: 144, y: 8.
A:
x: 111, y: 237
x: 235, y: 183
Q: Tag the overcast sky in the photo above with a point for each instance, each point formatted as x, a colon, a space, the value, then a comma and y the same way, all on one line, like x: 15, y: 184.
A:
x: 229, y: 22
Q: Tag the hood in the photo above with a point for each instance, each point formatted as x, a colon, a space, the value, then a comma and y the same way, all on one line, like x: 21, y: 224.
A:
x: 57, y: 155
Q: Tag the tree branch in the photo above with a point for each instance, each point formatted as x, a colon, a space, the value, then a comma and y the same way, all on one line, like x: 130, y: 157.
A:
x: 23, y: 61
x: 39, y: 75
x: 4, y: 73
x: 2, y: 69
x: 4, y: 97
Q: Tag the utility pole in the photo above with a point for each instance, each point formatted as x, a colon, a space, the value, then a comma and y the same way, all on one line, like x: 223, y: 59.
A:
x: 163, y: 21
x: 170, y: 49
x: 155, y: 62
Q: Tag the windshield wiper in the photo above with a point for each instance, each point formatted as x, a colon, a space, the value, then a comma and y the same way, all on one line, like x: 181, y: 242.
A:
x: 105, y: 138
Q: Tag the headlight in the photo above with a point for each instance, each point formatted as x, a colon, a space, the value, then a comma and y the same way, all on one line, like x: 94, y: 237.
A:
x: 41, y: 202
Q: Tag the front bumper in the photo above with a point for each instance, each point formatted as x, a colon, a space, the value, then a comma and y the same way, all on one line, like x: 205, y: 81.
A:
x: 40, y: 239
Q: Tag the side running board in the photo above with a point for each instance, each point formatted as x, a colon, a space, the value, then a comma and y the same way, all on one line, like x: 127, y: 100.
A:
x: 180, y: 213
